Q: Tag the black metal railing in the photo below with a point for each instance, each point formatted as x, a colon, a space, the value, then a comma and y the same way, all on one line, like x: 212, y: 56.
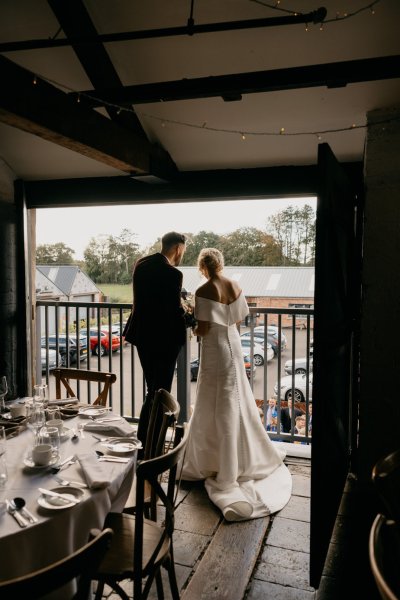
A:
x: 74, y: 332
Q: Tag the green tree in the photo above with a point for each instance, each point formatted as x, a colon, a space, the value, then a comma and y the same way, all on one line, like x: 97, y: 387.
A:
x: 203, y: 239
x: 110, y: 259
x: 59, y: 253
x: 251, y: 247
x: 294, y: 230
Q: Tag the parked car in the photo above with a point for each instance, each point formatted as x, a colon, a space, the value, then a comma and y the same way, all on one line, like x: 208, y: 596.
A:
x: 104, y: 346
x: 300, y: 365
x: 259, y: 350
x: 300, y: 382
x: 73, y: 347
x: 272, y: 337
x: 52, y: 359
x: 194, y: 367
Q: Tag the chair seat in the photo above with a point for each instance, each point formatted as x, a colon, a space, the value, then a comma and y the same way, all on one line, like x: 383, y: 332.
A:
x: 118, y: 562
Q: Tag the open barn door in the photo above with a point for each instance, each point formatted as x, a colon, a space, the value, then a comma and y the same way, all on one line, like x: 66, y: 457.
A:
x: 337, y: 294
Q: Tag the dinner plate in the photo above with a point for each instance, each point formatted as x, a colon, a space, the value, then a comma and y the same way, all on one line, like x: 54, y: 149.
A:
x: 54, y: 504
x: 28, y: 462
x: 121, y: 445
x: 93, y: 411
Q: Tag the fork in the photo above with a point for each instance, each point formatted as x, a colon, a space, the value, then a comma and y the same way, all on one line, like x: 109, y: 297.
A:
x: 62, y: 481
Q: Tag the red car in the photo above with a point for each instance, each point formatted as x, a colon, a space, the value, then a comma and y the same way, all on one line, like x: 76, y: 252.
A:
x: 104, y: 346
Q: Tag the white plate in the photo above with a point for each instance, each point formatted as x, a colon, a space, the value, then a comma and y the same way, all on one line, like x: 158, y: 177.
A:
x: 54, y: 504
x: 122, y: 446
x: 93, y: 412
x: 28, y: 462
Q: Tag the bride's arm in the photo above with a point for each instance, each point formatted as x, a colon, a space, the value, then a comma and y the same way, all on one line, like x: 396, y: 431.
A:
x: 202, y: 328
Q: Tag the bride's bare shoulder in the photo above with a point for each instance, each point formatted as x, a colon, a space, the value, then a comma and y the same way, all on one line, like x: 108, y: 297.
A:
x: 208, y: 291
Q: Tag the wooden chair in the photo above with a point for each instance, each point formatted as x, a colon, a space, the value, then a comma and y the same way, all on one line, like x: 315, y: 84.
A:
x: 141, y: 546
x: 163, y: 418
x: 64, y: 374
x: 384, y: 557
x: 81, y: 565
x: 386, y: 479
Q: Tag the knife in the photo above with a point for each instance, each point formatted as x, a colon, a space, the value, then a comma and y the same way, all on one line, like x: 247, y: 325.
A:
x: 57, y: 495
x: 68, y: 459
x: 13, y: 512
x: 115, y: 459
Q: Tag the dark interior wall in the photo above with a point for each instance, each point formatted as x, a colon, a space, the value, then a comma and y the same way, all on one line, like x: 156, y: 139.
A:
x: 379, y: 409
x: 8, y: 279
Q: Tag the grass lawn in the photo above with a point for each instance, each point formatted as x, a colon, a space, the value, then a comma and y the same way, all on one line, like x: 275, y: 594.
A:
x: 116, y: 293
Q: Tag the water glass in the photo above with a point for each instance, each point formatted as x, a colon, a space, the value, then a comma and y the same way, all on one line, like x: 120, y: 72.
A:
x: 51, y: 435
x: 3, y: 393
x: 3, y: 463
x: 40, y: 392
x: 36, y: 419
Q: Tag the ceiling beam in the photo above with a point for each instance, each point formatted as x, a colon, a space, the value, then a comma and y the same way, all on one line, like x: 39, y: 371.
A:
x: 230, y: 87
x: 316, y: 16
x: 43, y: 110
x: 189, y: 186
x: 76, y: 23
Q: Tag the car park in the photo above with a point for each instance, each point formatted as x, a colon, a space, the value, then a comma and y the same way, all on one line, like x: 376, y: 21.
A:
x: 300, y: 365
x: 73, y: 347
x: 300, y: 388
x: 258, y: 352
x: 272, y: 337
x: 194, y: 367
x: 52, y: 359
x: 103, y: 347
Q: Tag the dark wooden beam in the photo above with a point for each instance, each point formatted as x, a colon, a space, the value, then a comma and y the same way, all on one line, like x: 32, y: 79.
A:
x: 193, y: 186
x: 331, y: 75
x: 316, y: 16
x: 76, y: 23
x: 45, y: 111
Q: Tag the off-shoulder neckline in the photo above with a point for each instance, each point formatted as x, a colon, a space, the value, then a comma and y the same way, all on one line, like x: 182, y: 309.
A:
x: 217, y: 301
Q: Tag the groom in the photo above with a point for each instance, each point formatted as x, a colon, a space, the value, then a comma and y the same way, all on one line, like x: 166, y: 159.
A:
x: 157, y: 326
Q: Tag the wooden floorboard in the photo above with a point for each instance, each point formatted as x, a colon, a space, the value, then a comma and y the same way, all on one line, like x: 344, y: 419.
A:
x: 227, y: 564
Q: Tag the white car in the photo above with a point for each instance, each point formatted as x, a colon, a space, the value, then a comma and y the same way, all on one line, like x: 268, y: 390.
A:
x: 300, y: 365
x: 258, y: 351
x: 300, y: 383
x: 52, y: 359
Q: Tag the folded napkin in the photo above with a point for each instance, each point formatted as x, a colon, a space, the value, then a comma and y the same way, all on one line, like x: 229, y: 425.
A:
x: 118, y: 428
x: 62, y: 401
x: 95, y: 473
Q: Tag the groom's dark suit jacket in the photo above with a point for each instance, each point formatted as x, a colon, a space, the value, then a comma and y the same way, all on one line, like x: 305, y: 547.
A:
x: 157, y: 315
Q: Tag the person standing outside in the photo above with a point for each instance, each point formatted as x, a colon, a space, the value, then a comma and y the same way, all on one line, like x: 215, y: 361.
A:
x: 157, y: 325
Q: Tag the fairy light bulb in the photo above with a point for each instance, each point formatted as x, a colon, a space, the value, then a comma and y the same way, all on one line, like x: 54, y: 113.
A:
x: 282, y: 131
x: 34, y: 80
x: 243, y: 137
x: 306, y: 28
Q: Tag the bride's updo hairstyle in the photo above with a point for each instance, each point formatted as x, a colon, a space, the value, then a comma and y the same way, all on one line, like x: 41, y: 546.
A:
x: 210, y: 261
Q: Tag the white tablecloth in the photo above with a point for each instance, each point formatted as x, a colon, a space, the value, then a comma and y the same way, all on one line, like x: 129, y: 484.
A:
x: 58, y: 532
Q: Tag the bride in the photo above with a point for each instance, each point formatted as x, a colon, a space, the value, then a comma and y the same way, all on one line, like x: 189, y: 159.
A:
x: 227, y: 446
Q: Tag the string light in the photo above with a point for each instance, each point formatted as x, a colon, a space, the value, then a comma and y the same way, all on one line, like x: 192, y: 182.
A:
x: 78, y: 98
x: 346, y: 15
x: 204, y: 125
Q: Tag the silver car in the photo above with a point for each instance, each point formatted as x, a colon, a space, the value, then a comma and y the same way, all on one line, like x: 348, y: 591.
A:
x: 300, y: 383
x: 300, y: 366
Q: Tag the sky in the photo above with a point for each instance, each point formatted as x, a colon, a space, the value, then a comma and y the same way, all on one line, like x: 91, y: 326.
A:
x: 76, y: 226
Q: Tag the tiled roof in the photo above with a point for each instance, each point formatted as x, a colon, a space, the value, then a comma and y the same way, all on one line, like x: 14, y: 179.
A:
x: 63, y: 276
x: 280, y: 282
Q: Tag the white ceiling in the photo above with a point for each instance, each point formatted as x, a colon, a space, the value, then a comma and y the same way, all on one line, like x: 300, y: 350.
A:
x: 191, y: 130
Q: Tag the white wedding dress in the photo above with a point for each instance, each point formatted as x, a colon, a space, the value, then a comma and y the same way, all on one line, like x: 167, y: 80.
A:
x: 227, y: 446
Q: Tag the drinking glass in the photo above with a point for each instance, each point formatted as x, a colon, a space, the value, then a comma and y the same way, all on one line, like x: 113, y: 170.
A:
x: 39, y: 393
x: 51, y: 435
x: 36, y: 419
x: 3, y: 464
x: 3, y: 393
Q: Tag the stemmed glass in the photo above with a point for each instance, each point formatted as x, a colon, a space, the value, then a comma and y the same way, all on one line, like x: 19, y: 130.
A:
x: 3, y: 393
x: 40, y: 393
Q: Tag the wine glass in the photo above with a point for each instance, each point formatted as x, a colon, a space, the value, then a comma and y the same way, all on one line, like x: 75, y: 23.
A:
x: 3, y: 393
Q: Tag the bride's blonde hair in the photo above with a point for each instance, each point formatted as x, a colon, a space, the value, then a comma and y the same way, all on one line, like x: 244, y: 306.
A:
x: 210, y: 260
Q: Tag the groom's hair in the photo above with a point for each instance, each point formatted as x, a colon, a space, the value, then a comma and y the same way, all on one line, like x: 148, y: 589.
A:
x: 172, y: 238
